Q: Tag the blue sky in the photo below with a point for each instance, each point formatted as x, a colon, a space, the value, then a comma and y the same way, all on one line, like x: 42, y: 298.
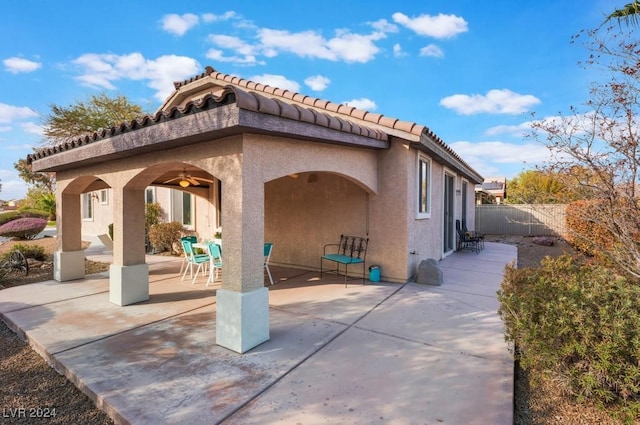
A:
x: 473, y: 72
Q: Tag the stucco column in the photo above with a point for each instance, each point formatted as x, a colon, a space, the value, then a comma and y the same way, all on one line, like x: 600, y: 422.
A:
x: 129, y: 274
x: 68, y: 260
x: 242, y: 307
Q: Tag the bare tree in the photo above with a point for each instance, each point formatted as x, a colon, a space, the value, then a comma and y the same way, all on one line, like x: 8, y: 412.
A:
x: 601, y: 140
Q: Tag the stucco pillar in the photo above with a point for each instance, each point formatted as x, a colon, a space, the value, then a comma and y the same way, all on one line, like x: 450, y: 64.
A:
x: 242, y: 306
x: 129, y: 274
x: 68, y: 260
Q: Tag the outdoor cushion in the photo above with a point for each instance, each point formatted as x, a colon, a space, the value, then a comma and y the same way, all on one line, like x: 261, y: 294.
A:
x: 342, y: 259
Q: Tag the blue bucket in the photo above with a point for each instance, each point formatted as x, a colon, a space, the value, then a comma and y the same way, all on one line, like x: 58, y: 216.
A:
x: 374, y: 274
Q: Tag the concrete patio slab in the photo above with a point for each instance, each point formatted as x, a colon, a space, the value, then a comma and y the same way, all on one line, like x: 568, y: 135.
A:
x: 376, y: 353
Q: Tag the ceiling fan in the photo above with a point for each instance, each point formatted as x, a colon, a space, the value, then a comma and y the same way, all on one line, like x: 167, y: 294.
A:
x: 185, y: 180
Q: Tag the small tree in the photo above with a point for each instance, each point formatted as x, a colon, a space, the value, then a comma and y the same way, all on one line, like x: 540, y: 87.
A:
x: 602, y: 140
x: 99, y: 111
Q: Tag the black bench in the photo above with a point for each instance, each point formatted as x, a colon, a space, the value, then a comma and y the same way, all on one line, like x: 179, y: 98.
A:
x: 350, y: 250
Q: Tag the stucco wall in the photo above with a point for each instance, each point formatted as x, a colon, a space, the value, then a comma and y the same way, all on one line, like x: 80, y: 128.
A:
x: 303, y: 214
x: 353, y: 190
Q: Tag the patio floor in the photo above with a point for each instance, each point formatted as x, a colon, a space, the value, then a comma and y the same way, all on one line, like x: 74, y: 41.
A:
x: 378, y: 353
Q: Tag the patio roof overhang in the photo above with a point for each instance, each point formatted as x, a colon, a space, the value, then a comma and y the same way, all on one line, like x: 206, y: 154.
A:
x: 235, y: 112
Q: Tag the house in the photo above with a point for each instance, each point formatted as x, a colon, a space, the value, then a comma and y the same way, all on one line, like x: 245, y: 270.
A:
x: 493, y: 190
x: 272, y: 165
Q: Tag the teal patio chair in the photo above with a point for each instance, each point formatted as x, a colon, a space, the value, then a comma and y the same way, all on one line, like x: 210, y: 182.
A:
x: 215, y: 261
x: 185, y: 259
x: 199, y: 260
x: 268, y: 248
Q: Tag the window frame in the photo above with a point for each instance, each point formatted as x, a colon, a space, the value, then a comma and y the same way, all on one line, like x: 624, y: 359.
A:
x: 423, y: 209
x: 87, y: 206
x: 104, y: 197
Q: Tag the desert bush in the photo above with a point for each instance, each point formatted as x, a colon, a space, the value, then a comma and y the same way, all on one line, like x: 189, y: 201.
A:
x: 29, y: 251
x: 152, y: 214
x: 26, y: 213
x: 23, y: 228
x: 9, y: 216
x: 580, y: 323
x: 33, y: 213
x: 163, y: 236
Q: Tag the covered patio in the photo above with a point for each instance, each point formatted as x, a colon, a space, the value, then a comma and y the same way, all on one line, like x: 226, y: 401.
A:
x: 367, y: 353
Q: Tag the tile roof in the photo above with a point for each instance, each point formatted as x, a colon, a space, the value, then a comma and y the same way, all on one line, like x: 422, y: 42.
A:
x: 331, y: 107
x: 266, y: 99
x: 251, y: 101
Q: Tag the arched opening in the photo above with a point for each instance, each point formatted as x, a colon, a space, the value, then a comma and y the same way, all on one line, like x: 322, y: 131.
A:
x: 306, y: 210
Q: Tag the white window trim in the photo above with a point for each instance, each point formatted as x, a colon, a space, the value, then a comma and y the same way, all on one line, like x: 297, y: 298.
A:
x: 174, y: 193
x: 151, y: 190
x: 104, y: 197
x: 85, y: 198
x: 423, y: 158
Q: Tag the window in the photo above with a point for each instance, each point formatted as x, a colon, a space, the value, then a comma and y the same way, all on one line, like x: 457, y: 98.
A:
x: 150, y: 195
x: 424, y: 187
x: 87, y: 206
x: 104, y: 197
x: 182, y: 208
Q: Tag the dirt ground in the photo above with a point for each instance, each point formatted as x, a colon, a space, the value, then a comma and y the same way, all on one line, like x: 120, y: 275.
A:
x: 27, y: 381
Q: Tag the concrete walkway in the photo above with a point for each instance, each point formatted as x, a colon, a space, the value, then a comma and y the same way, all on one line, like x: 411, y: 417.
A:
x: 379, y: 353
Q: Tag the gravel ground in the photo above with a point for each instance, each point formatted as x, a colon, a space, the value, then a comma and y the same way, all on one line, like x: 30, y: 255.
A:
x: 31, y: 392
x: 27, y: 382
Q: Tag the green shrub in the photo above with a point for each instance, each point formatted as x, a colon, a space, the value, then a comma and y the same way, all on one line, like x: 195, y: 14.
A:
x: 579, y: 322
x: 23, y: 228
x: 9, y: 216
x: 29, y: 251
x: 33, y: 213
x: 152, y: 214
x: 26, y: 213
x: 163, y: 236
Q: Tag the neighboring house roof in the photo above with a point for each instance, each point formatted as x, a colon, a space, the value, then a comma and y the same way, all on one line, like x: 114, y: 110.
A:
x: 360, y: 128
x: 494, y: 185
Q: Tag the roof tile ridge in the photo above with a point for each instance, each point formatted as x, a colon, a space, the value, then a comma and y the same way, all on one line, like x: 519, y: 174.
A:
x: 339, y: 108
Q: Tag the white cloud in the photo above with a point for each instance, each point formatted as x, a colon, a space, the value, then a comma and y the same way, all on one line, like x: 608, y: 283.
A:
x: 32, y: 128
x: 432, y: 50
x: 362, y: 103
x: 210, y: 17
x: 17, y: 65
x: 495, y: 102
x: 219, y: 56
x: 513, y: 130
x: 440, y: 26
x: 179, y: 24
x: 278, y: 81
x: 397, y: 51
x: 354, y: 47
x: 10, y: 113
x: 382, y: 25
x: 488, y: 157
x: 102, y: 70
x: 317, y: 82
x: 344, y: 46
x: 246, y: 52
